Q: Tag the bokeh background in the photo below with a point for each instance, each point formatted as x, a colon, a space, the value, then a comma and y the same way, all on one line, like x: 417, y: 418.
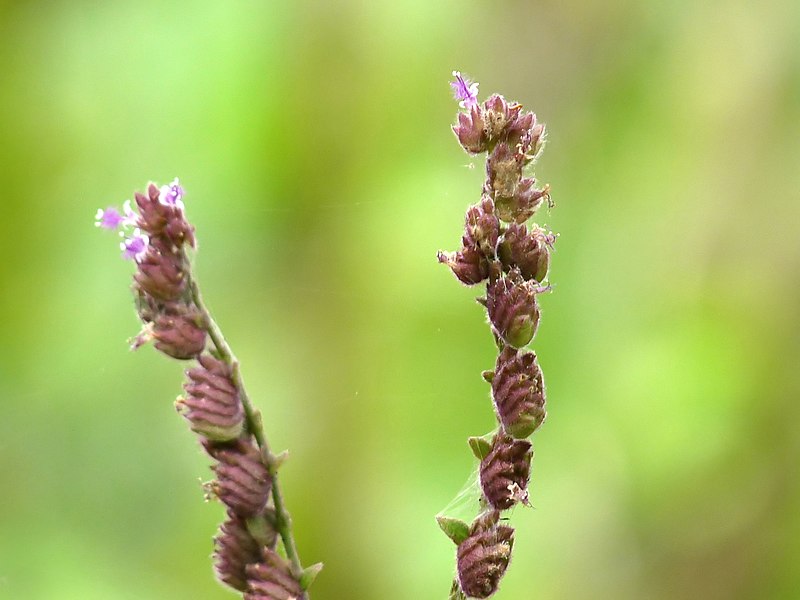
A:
x: 313, y: 140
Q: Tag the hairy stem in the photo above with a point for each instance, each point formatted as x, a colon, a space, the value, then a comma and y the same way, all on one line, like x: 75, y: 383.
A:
x: 254, y: 426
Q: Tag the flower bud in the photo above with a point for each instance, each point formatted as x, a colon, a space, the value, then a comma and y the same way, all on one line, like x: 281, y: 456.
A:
x: 504, y: 171
x: 529, y: 252
x: 212, y: 404
x: 520, y: 206
x: 513, y: 309
x: 483, y: 557
x: 163, y: 220
x: 505, y: 470
x: 272, y: 579
x: 161, y: 272
x: 178, y: 332
x: 498, y: 114
x: 152, y: 214
x: 482, y: 228
x: 527, y: 136
x: 470, y: 130
x: 243, y: 481
x: 469, y: 265
x: 234, y: 549
x: 518, y: 392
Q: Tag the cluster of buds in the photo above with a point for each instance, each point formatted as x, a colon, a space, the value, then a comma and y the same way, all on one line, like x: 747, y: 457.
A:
x: 512, y: 260
x: 156, y: 239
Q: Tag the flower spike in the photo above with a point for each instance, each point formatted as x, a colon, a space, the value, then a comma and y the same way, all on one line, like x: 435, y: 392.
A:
x: 513, y: 260
x: 215, y: 405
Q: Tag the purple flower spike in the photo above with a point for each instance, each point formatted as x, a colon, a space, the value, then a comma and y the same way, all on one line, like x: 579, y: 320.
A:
x: 464, y: 90
x: 135, y: 247
x: 108, y: 218
x: 170, y: 195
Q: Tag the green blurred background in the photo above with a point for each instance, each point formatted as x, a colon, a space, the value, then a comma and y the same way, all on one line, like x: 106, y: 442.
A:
x: 313, y: 140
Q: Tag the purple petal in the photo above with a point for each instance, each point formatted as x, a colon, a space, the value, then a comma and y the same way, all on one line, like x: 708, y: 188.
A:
x: 135, y: 246
x: 464, y: 90
x: 171, y: 194
x: 108, y: 218
x: 131, y: 217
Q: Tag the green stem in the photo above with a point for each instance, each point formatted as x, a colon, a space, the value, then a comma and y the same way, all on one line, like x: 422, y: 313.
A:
x: 254, y: 426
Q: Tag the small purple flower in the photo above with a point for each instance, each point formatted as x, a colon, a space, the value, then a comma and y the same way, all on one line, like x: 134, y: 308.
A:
x: 170, y: 195
x: 464, y: 90
x: 111, y: 218
x: 130, y: 218
x: 135, y: 246
x: 108, y: 218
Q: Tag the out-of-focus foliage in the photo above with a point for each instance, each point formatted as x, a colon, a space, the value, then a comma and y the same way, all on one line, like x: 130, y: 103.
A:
x: 313, y: 140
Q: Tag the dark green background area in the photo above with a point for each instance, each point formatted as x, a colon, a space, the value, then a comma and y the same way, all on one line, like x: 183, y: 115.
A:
x: 313, y: 141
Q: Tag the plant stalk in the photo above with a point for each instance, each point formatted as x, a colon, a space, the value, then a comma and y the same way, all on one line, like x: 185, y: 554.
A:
x: 254, y: 426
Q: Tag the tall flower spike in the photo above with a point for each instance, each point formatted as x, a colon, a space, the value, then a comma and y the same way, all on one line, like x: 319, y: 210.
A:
x: 513, y: 259
x: 215, y: 405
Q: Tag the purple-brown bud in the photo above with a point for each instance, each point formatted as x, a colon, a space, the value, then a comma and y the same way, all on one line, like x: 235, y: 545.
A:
x: 504, y: 171
x: 483, y: 557
x: 272, y: 579
x: 469, y: 265
x: 212, y: 404
x: 234, y: 549
x: 179, y: 333
x: 518, y: 392
x: 513, y: 309
x: 528, y: 251
x: 470, y: 130
x: 482, y: 228
x: 527, y: 136
x: 498, y: 114
x: 520, y: 206
x: 472, y: 264
x: 161, y: 273
x: 505, y: 471
x: 243, y: 481
x: 161, y: 219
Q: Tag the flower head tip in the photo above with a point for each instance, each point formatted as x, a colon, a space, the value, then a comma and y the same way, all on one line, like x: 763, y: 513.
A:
x: 171, y: 194
x: 464, y: 90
